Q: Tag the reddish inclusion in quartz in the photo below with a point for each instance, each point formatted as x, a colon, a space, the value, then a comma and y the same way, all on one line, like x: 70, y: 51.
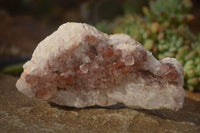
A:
x: 100, y: 73
x: 105, y: 68
x: 169, y: 72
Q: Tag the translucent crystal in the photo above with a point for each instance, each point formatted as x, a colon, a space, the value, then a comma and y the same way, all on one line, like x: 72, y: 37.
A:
x: 128, y: 60
x: 83, y: 68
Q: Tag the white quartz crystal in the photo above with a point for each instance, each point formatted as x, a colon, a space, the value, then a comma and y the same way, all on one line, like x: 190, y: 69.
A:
x: 79, y: 66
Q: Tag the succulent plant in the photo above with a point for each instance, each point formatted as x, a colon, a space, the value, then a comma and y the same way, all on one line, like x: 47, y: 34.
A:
x: 163, y: 30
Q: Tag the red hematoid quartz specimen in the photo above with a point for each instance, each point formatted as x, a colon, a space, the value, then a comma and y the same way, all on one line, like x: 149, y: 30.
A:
x: 80, y: 66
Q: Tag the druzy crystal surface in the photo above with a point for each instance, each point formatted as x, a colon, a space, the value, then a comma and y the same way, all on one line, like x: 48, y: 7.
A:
x: 79, y: 66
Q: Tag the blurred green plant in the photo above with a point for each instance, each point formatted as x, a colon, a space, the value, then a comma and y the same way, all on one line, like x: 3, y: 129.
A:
x: 163, y: 30
x: 15, y: 69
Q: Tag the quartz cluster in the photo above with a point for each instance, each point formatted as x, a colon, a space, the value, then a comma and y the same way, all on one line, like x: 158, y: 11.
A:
x: 79, y: 66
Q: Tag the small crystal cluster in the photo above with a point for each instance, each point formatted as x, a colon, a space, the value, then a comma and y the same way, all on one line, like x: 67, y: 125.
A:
x: 80, y: 66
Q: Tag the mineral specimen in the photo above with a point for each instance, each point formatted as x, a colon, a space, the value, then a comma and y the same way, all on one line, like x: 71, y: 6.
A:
x: 80, y: 66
